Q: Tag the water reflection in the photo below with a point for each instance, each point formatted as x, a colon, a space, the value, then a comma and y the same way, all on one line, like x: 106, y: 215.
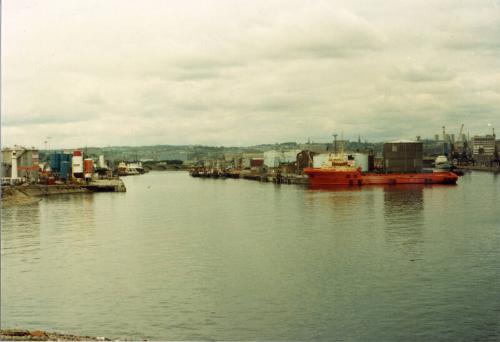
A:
x: 187, y: 259
x: 20, y: 228
x: 403, y: 216
x: 69, y: 212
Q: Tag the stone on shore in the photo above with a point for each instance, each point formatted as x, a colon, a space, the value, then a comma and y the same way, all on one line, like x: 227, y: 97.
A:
x: 38, y: 335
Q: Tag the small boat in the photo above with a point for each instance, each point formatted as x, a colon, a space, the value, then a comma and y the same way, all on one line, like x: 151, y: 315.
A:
x: 127, y: 170
x: 442, y: 163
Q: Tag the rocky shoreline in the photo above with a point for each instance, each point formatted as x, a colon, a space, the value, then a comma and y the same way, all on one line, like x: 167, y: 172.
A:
x: 39, y: 335
x: 29, y: 194
x: 12, y: 196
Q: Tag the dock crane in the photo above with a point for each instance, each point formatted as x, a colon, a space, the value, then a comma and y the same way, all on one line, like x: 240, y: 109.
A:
x: 459, y: 147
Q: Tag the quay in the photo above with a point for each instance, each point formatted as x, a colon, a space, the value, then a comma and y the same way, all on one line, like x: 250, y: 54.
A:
x: 98, y: 185
x: 277, y: 178
x: 272, y: 177
x: 32, y: 193
x: 479, y: 168
x: 105, y: 185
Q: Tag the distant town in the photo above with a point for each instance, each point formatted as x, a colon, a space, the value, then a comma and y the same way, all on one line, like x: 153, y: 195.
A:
x: 460, y: 149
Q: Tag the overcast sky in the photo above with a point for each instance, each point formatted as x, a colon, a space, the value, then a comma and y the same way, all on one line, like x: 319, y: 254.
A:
x: 104, y: 72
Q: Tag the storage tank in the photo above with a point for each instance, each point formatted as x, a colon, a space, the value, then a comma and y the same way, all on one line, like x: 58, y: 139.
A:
x: 55, y: 162
x: 290, y: 156
x: 403, y: 156
x: 65, y: 171
x: 361, y: 160
x: 77, y: 164
x: 101, y: 162
x: 88, y: 167
x: 272, y: 158
x: 66, y: 157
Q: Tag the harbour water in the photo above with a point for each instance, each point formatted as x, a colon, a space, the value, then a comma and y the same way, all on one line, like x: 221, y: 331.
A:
x: 184, y: 258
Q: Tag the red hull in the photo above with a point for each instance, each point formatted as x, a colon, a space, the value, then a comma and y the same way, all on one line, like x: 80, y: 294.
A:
x: 326, y: 177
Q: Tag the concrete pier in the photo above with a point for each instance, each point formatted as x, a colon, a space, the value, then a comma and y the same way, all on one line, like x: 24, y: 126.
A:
x: 106, y: 185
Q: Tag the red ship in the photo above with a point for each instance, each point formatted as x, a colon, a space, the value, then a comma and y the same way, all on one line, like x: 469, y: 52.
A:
x: 338, y: 172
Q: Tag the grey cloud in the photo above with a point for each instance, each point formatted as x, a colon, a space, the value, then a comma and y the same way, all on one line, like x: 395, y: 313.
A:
x: 432, y: 73
x: 44, y: 119
x: 246, y: 72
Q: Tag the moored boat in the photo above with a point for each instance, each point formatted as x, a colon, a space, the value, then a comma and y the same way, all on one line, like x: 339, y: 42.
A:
x: 337, y: 171
x: 128, y: 169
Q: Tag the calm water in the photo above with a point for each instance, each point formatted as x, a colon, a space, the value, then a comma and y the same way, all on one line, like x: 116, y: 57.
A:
x: 182, y: 258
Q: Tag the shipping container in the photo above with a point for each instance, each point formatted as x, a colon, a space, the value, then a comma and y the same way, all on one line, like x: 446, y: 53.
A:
x: 403, y: 156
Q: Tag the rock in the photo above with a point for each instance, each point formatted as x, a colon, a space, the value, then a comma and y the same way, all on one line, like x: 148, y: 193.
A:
x: 38, y: 333
x: 15, y: 332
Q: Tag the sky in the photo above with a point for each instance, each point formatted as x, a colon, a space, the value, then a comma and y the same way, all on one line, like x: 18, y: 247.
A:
x: 239, y: 73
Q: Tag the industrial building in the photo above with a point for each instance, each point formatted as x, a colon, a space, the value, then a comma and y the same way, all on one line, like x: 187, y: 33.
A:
x: 274, y: 158
x: 20, y: 163
x: 483, y: 145
x: 484, y: 150
x: 247, y: 157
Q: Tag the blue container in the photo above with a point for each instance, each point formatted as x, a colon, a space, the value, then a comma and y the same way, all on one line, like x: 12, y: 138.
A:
x: 65, y: 170
x: 55, y: 162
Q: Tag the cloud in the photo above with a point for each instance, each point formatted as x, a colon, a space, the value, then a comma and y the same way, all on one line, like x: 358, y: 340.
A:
x: 238, y: 72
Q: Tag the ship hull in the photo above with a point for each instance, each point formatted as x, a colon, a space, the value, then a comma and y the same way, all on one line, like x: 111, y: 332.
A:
x: 324, y: 177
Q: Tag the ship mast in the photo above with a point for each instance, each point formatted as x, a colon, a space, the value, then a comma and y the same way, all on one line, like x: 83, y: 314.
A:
x: 342, y: 144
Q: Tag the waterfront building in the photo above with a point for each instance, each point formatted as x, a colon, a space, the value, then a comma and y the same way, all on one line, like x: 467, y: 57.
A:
x: 27, y: 160
x: 484, y: 149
